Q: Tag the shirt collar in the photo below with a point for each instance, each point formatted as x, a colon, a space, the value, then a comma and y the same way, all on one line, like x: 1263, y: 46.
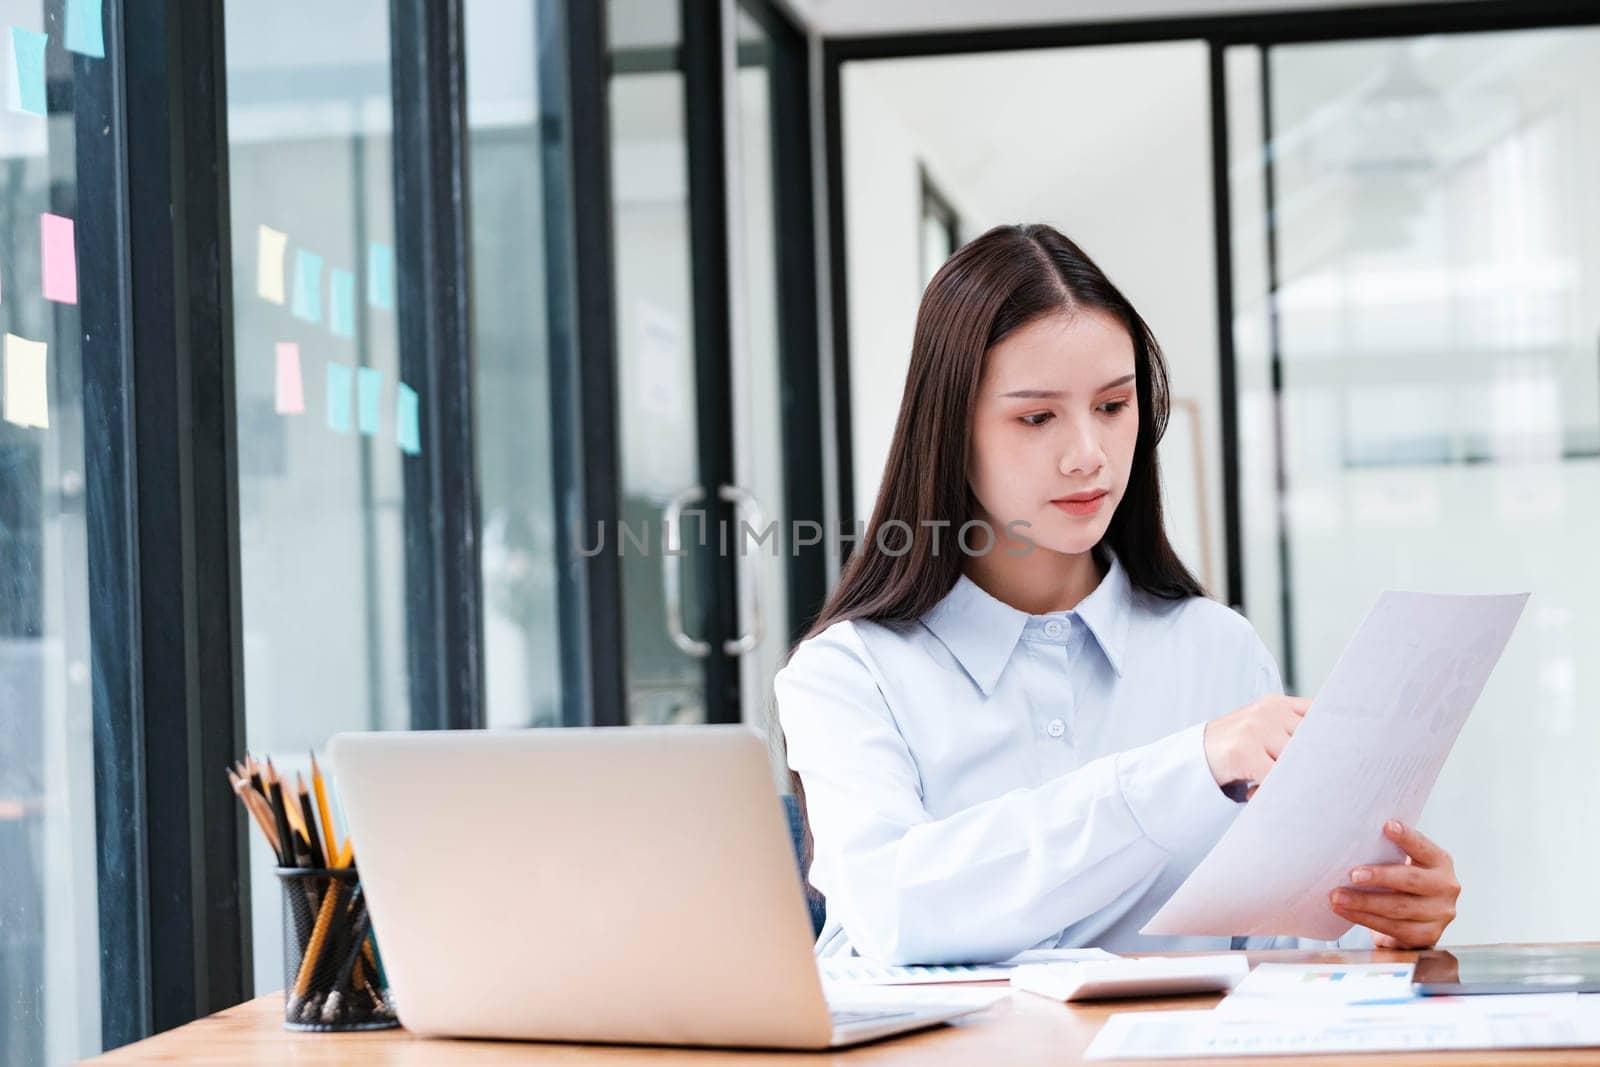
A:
x: 982, y: 631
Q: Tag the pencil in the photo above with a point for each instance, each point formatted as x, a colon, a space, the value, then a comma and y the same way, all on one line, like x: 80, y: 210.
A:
x: 317, y: 857
x: 291, y: 806
x: 319, y: 935
x: 255, y: 775
x: 257, y: 810
x: 350, y: 954
x: 281, y: 819
x: 329, y: 838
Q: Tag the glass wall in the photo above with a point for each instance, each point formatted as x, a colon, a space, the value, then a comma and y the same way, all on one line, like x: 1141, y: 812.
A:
x: 1433, y: 331
x: 49, y: 927
x: 508, y: 54
x: 326, y: 425
x: 324, y: 421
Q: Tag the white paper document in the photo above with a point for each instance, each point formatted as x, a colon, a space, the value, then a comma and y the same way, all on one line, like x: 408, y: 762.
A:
x: 1505, y: 1022
x: 1369, y: 750
x: 1274, y: 988
x: 854, y: 970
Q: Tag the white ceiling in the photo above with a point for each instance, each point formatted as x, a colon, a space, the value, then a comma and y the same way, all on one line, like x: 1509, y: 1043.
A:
x: 848, y: 18
x: 1008, y: 130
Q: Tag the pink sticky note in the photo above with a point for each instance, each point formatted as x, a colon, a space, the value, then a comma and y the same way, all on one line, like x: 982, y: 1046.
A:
x: 291, y: 398
x: 59, y: 255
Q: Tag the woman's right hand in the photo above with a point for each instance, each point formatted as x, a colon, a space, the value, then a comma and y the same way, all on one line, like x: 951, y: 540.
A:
x: 1242, y: 745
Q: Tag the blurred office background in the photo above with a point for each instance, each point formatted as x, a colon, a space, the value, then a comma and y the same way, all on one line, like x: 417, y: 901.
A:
x: 659, y: 257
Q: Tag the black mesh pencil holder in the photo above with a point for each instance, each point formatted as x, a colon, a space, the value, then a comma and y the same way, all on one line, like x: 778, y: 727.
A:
x: 333, y: 979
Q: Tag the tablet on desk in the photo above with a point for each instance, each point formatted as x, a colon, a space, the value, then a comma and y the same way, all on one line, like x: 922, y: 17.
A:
x: 1508, y: 969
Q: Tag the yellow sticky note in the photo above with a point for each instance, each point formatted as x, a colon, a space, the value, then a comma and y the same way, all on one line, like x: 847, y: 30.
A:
x: 271, y: 245
x: 27, y: 400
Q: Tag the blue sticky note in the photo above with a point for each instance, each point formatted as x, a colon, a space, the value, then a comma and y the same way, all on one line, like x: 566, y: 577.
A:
x: 27, y: 72
x: 307, y: 286
x: 369, y: 392
x: 339, y: 380
x: 85, y: 32
x: 405, y: 421
x: 342, y: 302
x: 380, y: 276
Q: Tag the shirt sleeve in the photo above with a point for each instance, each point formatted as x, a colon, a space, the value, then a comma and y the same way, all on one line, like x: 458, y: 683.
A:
x: 995, y: 878
x: 1265, y: 678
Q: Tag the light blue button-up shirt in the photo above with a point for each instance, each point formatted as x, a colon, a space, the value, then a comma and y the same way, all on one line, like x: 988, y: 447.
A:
x: 986, y: 781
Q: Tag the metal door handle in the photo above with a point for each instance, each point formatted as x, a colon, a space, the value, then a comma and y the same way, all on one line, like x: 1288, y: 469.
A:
x: 745, y: 504
x: 672, y: 574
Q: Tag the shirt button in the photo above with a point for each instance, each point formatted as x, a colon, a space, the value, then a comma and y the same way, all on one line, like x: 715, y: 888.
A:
x: 1055, y: 728
x: 1053, y: 628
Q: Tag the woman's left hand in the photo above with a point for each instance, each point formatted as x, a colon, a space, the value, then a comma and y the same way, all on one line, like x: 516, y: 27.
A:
x: 1405, y: 905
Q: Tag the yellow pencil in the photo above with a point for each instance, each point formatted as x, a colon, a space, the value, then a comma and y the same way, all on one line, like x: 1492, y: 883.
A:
x: 328, y: 837
x: 319, y: 934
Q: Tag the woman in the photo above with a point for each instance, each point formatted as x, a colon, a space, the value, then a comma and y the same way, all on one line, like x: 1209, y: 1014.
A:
x: 1013, y: 722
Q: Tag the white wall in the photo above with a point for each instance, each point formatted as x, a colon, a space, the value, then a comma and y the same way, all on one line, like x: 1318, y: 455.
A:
x: 882, y: 226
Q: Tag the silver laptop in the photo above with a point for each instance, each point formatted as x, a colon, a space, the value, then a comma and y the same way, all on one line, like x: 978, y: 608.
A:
x: 620, y: 885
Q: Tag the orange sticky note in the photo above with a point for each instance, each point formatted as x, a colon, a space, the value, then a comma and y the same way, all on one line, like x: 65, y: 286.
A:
x: 291, y: 393
x: 58, y: 253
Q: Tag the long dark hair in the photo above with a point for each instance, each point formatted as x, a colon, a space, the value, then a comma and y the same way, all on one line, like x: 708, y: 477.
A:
x: 991, y: 286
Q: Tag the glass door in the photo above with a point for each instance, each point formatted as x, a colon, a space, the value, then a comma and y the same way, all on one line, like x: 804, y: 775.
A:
x: 717, y: 391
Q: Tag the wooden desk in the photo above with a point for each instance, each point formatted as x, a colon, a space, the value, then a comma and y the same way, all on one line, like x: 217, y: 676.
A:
x: 1022, y: 1029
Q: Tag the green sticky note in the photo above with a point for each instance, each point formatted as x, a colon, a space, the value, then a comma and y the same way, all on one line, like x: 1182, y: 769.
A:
x: 307, y: 286
x: 406, y: 429
x: 342, y: 302
x: 339, y: 381
x: 85, y: 30
x: 27, y: 71
x: 369, y: 393
x: 380, y: 275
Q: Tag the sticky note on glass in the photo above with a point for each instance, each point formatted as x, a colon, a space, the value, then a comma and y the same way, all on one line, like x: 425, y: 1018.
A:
x: 290, y: 394
x: 270, y: 247
x: 342, y: 301
x: 380, y: 275
x: 369, y: 394
x: 85, y: 31
x: 406, y: 429
x: 307, y: 286
x: 58, y: 256
x: 26, y: 77
x: 340, y: 379
x: 27, y: 400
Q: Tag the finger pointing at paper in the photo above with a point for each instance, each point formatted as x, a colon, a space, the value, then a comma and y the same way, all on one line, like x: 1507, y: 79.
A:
x: 1405, y: 905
